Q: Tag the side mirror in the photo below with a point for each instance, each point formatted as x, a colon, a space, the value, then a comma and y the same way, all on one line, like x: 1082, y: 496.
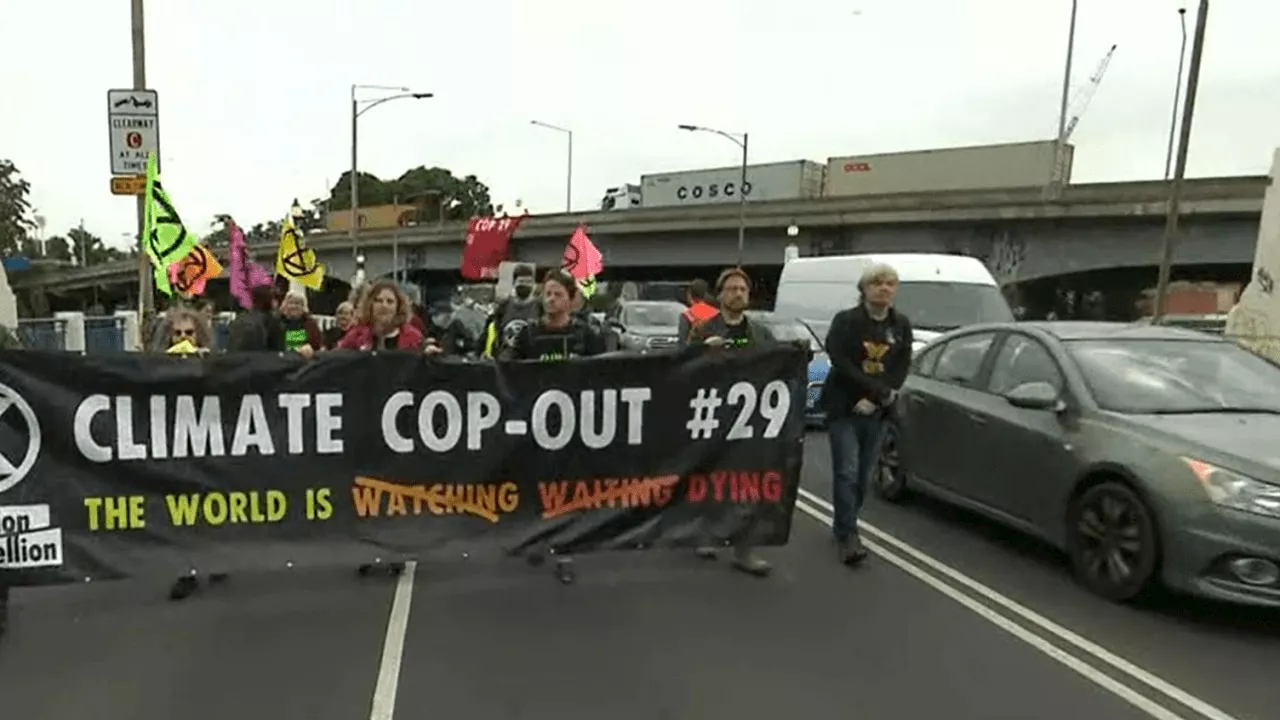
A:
x: 1035, y: 396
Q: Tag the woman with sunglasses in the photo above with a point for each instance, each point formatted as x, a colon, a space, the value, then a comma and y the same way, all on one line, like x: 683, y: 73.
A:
x: 189, y: 335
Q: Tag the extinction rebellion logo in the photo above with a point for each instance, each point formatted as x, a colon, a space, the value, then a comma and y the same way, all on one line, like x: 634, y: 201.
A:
x: 27, y: 539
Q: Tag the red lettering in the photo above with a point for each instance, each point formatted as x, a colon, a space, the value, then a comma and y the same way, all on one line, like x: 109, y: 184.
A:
x: 771, y: 484
x: 718, y: 479
x: 747, y: 487
x: 553, y: 494
x: 697, y: 488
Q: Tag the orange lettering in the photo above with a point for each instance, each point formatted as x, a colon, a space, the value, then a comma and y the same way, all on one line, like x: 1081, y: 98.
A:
x: 553, y: 495
x: 368, y: 501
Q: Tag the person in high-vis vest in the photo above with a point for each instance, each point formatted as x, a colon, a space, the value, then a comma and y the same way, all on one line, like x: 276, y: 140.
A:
x: 699, y: 311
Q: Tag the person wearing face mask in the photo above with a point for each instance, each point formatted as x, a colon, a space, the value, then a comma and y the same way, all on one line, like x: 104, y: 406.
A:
x: 446, y: 331
x: 513, y: 313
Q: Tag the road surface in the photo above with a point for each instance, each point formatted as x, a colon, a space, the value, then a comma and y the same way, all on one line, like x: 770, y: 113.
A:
x: 951, y: 618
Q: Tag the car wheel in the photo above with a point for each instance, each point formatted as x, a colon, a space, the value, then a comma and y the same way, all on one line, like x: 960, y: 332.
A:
x: 1112, y: 541
x: 889, y: 481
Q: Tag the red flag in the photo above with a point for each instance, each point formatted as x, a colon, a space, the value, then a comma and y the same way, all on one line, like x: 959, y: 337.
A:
x: 488, y: 240
x: 581, y: 257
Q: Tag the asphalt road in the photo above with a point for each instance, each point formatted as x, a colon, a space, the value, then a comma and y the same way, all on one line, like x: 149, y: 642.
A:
x: 651, y: 636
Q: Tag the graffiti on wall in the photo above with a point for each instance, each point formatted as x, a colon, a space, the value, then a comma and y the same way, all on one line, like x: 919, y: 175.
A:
x: 1005, y: 255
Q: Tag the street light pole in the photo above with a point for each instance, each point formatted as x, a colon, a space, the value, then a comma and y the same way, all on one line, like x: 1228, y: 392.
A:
x: 1059, y: 148
x: 742, y: 141
x: 1177, y: 94
x: 568, y: 191
x: 138, y: 33
x: 1180, y: 169
x: 403, y: 93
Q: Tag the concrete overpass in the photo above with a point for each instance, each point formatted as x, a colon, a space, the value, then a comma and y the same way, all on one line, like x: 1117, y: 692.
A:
x: 1021, y: 234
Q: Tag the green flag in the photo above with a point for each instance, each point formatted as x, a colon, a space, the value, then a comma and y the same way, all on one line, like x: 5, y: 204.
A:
x: 588, y: 286
x: 164, y: 239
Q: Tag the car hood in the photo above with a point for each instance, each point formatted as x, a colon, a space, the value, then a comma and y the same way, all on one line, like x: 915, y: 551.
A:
x: 923, y: 337
x: 653, y: 330
x: 1250, y: 437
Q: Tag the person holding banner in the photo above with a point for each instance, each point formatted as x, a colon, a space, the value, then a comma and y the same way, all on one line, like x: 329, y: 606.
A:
x: 731, y: 328
x: 382, y: 321
x: 257, y: 329
x: 301, y: 332
x: 558, y: 336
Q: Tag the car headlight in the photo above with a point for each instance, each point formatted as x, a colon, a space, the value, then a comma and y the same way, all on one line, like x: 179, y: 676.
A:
x: 1232, y: 490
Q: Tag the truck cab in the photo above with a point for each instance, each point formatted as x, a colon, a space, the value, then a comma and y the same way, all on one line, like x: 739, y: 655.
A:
x: 623, y: 197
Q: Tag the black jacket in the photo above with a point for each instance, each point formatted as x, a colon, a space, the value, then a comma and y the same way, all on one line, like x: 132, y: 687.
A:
x: 452, y: 339
x: 536, y: 341
x: 869, y: 359
x: 256, y: 331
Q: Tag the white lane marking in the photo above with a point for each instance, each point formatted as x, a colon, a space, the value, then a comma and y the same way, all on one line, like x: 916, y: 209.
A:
x: 1082, y: 668
x: 384, y: 691
x: 1089, y: 647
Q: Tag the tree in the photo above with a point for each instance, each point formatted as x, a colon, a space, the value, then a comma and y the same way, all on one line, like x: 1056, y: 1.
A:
x: 432, y: 190
x: 14, y: 206
x: 57, y: 248
x: 88, y: 249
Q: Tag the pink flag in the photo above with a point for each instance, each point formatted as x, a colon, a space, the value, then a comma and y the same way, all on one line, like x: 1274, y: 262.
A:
x: 581, y: 257
x: 245, y: 274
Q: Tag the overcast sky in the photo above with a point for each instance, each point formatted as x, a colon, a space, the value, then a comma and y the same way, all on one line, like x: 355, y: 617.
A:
x: 254, y: 93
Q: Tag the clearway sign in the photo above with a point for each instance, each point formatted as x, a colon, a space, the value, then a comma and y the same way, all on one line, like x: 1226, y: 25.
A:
x: 133, y: 118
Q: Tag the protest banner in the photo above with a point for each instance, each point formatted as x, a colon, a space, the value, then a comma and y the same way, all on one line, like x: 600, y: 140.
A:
x: 128, y: 465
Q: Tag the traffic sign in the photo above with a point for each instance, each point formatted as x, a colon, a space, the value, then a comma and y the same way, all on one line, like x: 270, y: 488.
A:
x: 128, y: 184
x: 133, y: 119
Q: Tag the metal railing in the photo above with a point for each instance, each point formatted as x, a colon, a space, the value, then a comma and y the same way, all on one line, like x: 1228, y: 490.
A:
x: 43, y: 334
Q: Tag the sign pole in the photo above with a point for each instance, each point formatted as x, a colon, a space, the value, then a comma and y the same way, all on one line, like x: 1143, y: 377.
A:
x: 146, y: 304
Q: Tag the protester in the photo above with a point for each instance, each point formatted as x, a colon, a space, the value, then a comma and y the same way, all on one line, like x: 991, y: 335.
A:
x: 512, y: 313
x: 382, y: 321
x: 869, y: 346
x: 301, y: 332
x: 557, y: 336
x: 699, y: 310
x: 446, y: 331
x: 9, y: 339
x: 731, y: 328
x: 189, y: 335
x: 343, y: 319
x: 257, y: 329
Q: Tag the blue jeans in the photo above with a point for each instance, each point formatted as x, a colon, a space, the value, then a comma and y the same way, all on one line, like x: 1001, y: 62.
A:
x: 855, y: 453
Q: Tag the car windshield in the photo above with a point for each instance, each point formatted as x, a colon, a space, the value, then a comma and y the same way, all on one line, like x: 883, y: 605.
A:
x: 652, y: 315
x: 1177, y: 376
x: 788, y: 329
x: 943, y: 306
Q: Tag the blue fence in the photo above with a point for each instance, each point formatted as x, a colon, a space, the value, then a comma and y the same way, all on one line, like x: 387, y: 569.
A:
x: 43, y: 334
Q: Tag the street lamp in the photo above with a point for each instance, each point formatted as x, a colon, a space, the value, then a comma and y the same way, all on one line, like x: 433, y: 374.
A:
x: 1059, y: 147
x: 568, y: 191
x: 1180, y: 165
x: 1177, y: 94
x: 739, y: 139
x: 358, y: 108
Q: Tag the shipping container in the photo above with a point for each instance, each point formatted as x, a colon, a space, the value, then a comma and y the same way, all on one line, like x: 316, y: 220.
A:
x: 980, y: 167
x: 795, y: 180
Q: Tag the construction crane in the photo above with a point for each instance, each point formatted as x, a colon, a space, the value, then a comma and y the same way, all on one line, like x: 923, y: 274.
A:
x: 1080, y: 103
x: 1084, y: 95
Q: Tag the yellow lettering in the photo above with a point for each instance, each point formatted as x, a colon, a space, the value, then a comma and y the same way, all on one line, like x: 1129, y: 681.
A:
x: 508, y: 497
x: 277, y: 506
x: 183, y: 508
x: 215, y: 508
x: 238, y: 502
x: 93, y: 505
x: 324, y: 504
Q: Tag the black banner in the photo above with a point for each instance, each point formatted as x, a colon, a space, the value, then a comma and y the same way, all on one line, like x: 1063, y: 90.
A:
x: 123, y: 465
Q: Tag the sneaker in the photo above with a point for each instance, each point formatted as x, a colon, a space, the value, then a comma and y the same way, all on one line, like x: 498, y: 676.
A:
x: 748, y: 562
x: 852, y: 553
x: 565, y: 571
x: 183, y: 587
x: 707, y: 553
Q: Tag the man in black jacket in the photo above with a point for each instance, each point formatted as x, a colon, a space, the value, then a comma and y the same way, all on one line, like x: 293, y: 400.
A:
x: 870, y: 350
x: 731, y: 329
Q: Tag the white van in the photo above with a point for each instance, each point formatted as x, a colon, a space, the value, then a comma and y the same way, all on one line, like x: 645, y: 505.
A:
x: 937, y: 292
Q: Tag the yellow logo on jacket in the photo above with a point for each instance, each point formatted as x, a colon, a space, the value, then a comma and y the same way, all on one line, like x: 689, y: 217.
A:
x: 875, y: 352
